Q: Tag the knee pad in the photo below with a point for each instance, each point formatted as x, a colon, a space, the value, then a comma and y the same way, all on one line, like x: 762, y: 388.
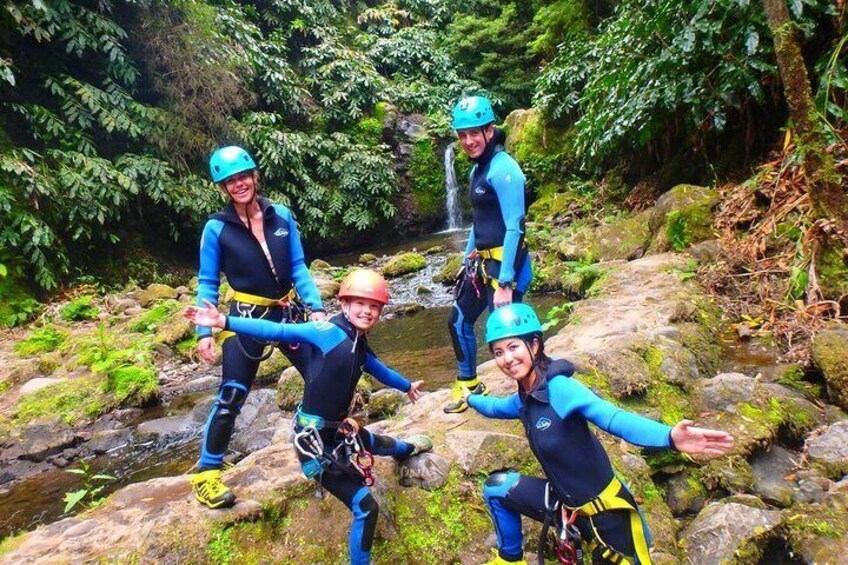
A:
x: 499, y: 483
x: 231, y: 398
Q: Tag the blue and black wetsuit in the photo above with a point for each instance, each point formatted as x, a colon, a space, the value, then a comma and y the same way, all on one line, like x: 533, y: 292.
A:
x: 497, y: 197
x: 228, y: 246
x: 556, y: 416
x: 334, y: 359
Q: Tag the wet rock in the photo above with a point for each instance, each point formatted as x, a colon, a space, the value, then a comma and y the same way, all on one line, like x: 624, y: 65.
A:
x: 684, y: 494
x: 403, y: 264
x: 770, y: 469
x: 36, y: 384
x: 484, y: 452
x: 167, y: 427
x: 328, y: 288
x: 270, y: 369
x: 201, y: 409
x: 127, y: 415
x: 367, y: 258
x: 153, y: 293
x: 122, y: 305
x: 827, y: 449
x: 435, y: 250
x: 705, y: 252
x: 830, y: 354
x: 447, y: 274
x: 259, y: 411
x: 384, y: 403
x: 722, y: 529
x: 259, y: 435
x: 41, y: 440
x: 109, y: 440
x: 406, y: 309
x: 423, y: 290
x: 289, y: 389
x: 427, y: 470
x: 175, y: 330
x: 198, y: 385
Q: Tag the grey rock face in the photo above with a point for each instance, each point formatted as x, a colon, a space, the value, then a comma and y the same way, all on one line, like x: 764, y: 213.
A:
x: 42, y: 440
x: 720, y: 529
x: 828, y: 449
x: 770, y: 469
x: 427, y: 470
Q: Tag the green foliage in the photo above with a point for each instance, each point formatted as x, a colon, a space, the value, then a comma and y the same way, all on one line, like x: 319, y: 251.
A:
x: 151, y: 320
x: 677, y: 230
x: 40, y: 340
x: 80, y: 308
x: 18, y: 305
x: 89, y: 496
x: 427, y: 176
x: 71, y: 401
x: 221, y: 549
x: 558, y: 314
x: 658, y: 63
x: 137, y: 384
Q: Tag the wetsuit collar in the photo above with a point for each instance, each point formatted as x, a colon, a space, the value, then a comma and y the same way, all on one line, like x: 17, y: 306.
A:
x: 342, y: 322
x: 229, y: 214
x: 495, y: 145
x: 540, y: 390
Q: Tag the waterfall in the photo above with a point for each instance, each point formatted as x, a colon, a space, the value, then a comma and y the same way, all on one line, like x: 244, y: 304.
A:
x: 452, y: 190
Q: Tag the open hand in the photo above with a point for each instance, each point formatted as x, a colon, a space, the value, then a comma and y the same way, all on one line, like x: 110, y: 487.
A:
x: 207, y: 317
x: 700, y: 441
x: 503, y: 296
x: 318, y: 316
x: 206, y: 349
x: 413, y: 393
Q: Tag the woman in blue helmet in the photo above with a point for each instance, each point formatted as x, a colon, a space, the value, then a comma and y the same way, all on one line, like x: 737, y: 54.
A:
x: 555, y: 410
x: 256, y: 244
x: 496, y: 263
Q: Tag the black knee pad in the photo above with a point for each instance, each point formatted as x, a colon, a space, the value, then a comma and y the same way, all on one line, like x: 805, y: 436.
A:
x: 368, y: 504
x: 496, y: 479
x: 230, y: 400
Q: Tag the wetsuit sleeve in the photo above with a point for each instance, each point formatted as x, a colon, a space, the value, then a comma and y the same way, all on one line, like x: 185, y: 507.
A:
x: 508, y: 181
x: 209, y: 274
x: 388, y: 377
x: 300, y: 274
x: 323, y: 335
x: 505, y: 408
x: 569, y: 395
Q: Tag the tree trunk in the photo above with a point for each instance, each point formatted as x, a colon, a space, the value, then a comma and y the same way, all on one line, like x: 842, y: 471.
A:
x: 826, y: 192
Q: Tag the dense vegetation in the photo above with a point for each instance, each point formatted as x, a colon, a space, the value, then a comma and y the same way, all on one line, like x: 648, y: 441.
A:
x: 110, y: 108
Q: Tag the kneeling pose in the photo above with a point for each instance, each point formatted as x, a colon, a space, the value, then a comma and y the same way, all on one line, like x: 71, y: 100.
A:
x: 331, y: 447
x: 579, y: 482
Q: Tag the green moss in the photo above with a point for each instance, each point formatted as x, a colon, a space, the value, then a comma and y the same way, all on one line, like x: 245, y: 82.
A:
x: 793, y: 378
x: 11, y: 542
x: 660, y: 459
x: 427, y: 177
x: 41, y: 340
x: 150, y: 321
x: 833, y: 272
x: 403, y: 264
x: 447, y: 274
x: 368, y: 131
x: 134, y: 385
x: 186, y: 347
x: 677, y: 230
x: 72, y: 400
x: 80, y: 309
x: 380, y: 111
x: 220, y: 549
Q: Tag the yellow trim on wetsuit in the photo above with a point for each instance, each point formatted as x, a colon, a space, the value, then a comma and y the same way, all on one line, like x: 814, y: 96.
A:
x: 495, y: 253
x: 609, y: 499
x: 255, y: 300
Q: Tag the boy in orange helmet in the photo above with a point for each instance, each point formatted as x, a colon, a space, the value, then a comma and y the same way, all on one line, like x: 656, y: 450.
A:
x: 332, y: 448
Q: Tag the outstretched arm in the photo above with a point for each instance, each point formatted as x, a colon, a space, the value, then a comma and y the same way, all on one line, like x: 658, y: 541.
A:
x: 508, y: 181
x: 388, y: 377
x: 504, y: 408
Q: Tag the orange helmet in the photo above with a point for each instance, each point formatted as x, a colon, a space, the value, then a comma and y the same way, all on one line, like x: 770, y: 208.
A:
x: 365, y: 283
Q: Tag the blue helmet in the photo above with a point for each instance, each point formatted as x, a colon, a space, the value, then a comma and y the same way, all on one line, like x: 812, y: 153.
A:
x: 472, y: 112
x: 512, y: 320
x: 228, y: 161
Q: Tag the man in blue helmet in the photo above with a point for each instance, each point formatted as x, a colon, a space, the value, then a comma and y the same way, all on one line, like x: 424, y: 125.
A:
x: 580, y: 489
x: 496, y: 264
x: 256, y: 244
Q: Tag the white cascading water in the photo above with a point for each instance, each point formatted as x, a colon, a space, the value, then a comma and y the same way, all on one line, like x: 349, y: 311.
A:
x: 452, y: 190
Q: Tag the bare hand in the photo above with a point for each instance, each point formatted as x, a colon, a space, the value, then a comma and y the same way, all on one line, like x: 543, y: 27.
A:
x: 473, y: 255
x: 207, y: 317
x: 413, y: 393
x: 206, y: 349
x: 318, y: 316
x: 503, y: 296
x: 700, y: 441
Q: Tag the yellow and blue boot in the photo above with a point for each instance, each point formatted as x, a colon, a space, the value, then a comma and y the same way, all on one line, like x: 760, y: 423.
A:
x: 459, y: 393
x: 211, y: 491
x: 498, y: 560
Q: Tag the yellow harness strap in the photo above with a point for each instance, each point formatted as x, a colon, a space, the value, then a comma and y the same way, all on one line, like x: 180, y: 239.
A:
x: 255, y: 300
x: 609, y: 500
x: 495, y: 253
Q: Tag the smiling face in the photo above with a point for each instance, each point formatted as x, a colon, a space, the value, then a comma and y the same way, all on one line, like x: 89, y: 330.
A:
x: 514, y: 356
x: 241, y: 187
x: 363, y: 313
x: 474, y: 140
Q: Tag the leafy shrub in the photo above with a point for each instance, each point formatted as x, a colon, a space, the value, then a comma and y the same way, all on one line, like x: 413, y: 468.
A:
x: 677, y: 230
x: 79, y: 309
x: 41, y: 340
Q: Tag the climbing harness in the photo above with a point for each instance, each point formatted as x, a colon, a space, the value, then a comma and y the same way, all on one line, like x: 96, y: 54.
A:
x: 568, y: 543
x: 246, y: 305
x: 348, y: 456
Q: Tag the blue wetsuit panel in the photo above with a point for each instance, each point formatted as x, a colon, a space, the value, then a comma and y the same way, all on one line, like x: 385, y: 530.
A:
x: 299, y: 272
x: 384, y: 374
x: 209, y: 275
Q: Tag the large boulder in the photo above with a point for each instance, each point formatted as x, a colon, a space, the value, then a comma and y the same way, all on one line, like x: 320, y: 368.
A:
x: 725, y: 533
x: 828, y: 449
x: 484, y: 452
x: 682, y: 216
x: 327, y: 288
x: 41, y: 440
x: 770, y: 469
x: 625, y: 238
x: 428, y: 471
x: 447, y: 274
x: 830, y: 354
x: 403, y: 264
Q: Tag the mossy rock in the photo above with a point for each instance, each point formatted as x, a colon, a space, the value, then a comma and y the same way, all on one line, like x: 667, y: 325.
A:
x: 41, y: 340
x: 327, y: 288
x: 289, y: 389
x: 625, y: 238
x: 427, y: 178
x: 367, y: 258
x: 817, y: 532
x: 319, y: 266
x: 447, y: 274
x: 155, y: 292
x: 80, y: 309
x: 158, y: 316
x: 175, y: 330
x: 272, y: 367
x: 535, y: 144
x: 832, y: 265
x: 830, y: 354
x: 403, y: 264
x: 384, y: 403
x: 681, y: 217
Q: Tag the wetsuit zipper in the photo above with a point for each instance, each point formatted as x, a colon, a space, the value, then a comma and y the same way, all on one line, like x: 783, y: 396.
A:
x: 259, y: 245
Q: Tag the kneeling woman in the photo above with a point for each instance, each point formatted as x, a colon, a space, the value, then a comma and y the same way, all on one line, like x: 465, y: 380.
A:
x: 555, y: 410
